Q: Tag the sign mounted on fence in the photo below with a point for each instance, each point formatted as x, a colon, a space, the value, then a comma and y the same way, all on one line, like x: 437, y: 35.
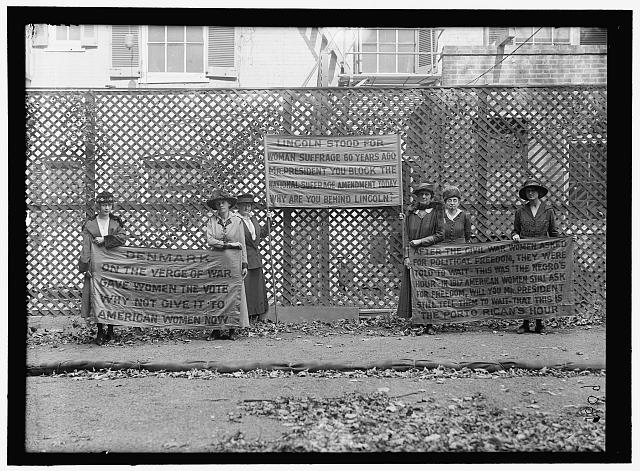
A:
x: 186, y: 289
x: 333, y: 171
x: 532, y: 278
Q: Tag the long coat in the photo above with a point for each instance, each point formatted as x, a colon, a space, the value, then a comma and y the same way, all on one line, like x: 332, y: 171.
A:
x: 254, y: 260
x: 254, y: 282
x: 430, y: 230
x: 231, y: 230
x: 543, y: 224
x: 117, y: 236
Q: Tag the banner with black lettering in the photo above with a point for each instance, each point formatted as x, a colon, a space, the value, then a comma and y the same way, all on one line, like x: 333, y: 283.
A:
x: 532, y: 278
x: 333, y: 171
x: 186, y: 289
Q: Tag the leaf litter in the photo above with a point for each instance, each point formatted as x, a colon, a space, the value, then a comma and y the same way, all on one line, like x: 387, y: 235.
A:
x: 379, y: 422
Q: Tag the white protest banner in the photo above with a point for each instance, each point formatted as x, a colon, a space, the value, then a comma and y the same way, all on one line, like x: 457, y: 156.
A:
x: 532, y: 278
x: 186, y: 289
x: 333, y: 171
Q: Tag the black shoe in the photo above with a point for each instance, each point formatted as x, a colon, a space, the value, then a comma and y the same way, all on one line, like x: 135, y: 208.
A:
x: 430, y: 330
x: 100, y: 339
x: 539, y: 326
x: 523, y: 328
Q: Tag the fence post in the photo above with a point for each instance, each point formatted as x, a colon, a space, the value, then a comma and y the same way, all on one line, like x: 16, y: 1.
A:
x: 324, y: 268
x: 90, y: 151
x: 287, y: 248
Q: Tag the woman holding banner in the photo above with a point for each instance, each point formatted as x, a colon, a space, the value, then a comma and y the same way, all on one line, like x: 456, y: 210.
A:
x: 103, y: 229
x: 254, y: 283
x: 457, y: 223
x: 533, y: 219
x: 225, y: 231
x: 424, y: 226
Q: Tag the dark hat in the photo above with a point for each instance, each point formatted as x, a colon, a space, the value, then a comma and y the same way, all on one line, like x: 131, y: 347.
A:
x: 451, y: 192
x: 220, y: 195
x: 535, y: 184
x: 104, y: 197
x: 430, y: 187
x: 246, y: 198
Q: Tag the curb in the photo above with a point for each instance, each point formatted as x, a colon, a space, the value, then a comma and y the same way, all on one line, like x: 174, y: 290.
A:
x: 68, y: 366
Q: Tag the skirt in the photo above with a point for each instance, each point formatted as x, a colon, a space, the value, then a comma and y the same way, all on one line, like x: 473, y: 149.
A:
x: 244, y: 314
x: 85, y: 307
x: 404, y: 302
x: 257, y: 303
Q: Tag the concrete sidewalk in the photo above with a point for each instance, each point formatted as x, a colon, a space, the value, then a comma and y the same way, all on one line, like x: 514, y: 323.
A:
x: 578, y: 344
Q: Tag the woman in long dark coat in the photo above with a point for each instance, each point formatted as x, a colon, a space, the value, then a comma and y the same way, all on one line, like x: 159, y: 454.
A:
x: 424, y: 226
x: 533, y: 219
x: 103, y: 229
x: 254, y: 282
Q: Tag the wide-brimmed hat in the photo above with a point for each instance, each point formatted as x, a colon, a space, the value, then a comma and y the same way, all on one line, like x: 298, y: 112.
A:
x: 535, y: 184
x: 430, y: 187
x: 451, y: 192
x: 246, y: 198
x: 104, y: 197
x: 219, y: 195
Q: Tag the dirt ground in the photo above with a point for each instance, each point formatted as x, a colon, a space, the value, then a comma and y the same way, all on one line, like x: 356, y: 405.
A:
x: 179, y: 414
x: 184, y: 415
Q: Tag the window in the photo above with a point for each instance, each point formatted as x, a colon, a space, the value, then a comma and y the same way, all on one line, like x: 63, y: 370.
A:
x: 546, y: 35
x: 171, y: 54
x: 401, y: 51
x: 67, y: 32
x: 176, y: 49
x: 531, y: 35
x: 388, y: 51
x: 64, y: 37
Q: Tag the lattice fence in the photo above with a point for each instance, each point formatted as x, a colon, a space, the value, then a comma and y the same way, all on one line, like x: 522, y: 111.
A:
x: 162, y: 152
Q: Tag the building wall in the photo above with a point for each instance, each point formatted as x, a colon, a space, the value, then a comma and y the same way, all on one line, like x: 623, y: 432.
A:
x: 529, y: 65
x: 266, y: 57
x: 287, y: 57
x: 278, y: 57
x: 85, y: 67
x: 461, y: 36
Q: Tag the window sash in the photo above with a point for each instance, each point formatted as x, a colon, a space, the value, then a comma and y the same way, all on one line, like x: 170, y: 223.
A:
x: 388, y: 51
x: 547, y: 35
x: 177, y: 51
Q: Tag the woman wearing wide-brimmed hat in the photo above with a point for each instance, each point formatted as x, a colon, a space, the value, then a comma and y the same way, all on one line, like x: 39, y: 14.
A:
x: 103, y: 229
x: 457, y: 223
x: 424, y: 226
x: 225, y: 231
x: 254, y: 282
x: 533, y: 219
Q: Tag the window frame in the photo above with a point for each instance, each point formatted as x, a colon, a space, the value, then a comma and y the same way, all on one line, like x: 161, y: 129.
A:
x: 360, y: 56
x: 70, y: 45
x: 552, y: 42
x: 171, y: 77
x: 574, y: 37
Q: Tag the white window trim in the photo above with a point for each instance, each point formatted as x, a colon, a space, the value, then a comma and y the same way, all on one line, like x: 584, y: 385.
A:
x: 574, y: 38
x: 414, y: 56
x: 66, y: 45
x: 169, y: 77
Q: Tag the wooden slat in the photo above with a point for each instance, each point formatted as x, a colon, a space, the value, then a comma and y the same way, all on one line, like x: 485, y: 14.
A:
x: 485, y: 140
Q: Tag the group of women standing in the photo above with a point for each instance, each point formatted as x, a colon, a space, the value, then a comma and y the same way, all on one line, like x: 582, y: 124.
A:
x: 429, y: 222
x: 225, y: 230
